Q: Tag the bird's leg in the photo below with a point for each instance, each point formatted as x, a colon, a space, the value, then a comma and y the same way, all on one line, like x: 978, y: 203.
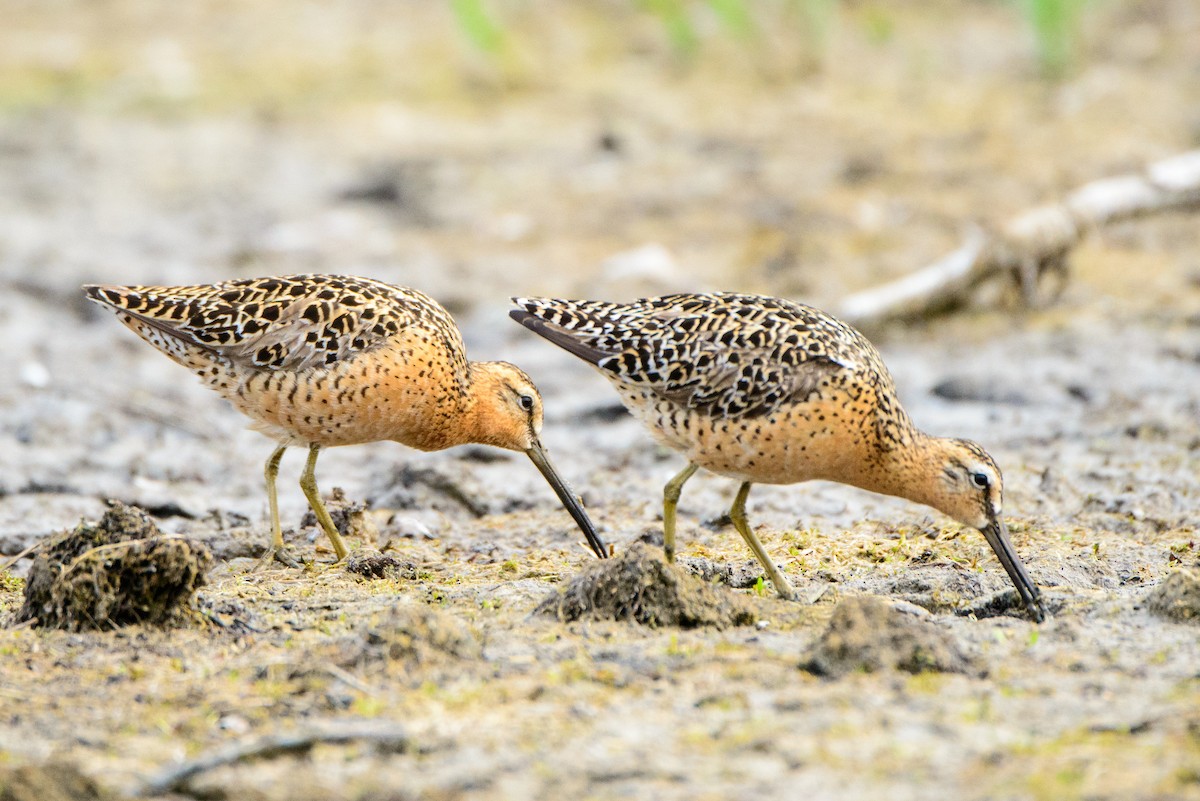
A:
x: 308, y: 483
x: 271, y: 472
x: 670, y: 501
x: 276, y: 550
x: 738, y: 514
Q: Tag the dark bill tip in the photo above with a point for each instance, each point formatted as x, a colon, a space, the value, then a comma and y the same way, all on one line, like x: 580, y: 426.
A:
x: 568, y: 498
x: 997, y: 536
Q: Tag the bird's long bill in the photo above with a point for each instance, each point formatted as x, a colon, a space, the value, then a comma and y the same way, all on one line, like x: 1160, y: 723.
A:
x: 997, y: 536
x: 538, y: 456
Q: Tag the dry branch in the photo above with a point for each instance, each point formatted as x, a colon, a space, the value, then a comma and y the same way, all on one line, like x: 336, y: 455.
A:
x: 389, y: 737
x: 1033, y: 244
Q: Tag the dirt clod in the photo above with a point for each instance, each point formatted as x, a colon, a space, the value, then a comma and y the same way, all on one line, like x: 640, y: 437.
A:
x: 869, y: 634
x: 118, y: 571
x: 375, y: 565
x: 414, y: 633
x: 1177, y: 597
x: 51, y: 782
x: 739, y: 577
x: 349, y: 517
x: 639, y: 585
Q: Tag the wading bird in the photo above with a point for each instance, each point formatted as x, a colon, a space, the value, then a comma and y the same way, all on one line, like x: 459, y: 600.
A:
x: 326, y: 360
x: 770, y: 391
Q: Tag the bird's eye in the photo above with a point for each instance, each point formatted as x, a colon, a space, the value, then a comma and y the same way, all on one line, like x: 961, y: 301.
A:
x: 526, y: 402
x: 980, y: 480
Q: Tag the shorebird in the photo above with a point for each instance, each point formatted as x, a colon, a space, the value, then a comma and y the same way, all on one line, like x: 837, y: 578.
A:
x: 327, y: 360
x: 770, y: 391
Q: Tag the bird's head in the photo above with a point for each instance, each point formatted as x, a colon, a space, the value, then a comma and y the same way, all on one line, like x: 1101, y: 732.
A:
x: 507, y: 413
x: 966, y: 484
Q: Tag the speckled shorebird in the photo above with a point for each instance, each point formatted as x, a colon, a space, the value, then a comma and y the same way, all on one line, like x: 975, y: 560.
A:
x: 325, y: 360
x: 770, y: 391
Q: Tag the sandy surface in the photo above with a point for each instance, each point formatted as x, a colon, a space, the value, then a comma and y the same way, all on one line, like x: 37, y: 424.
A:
x: 586, y: 157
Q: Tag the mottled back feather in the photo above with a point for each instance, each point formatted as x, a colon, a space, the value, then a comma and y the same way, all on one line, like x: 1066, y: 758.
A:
x: 282, y: 323
x: 725, y: 354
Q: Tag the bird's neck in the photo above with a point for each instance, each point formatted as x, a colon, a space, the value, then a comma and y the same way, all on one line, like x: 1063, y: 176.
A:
x: 481, y: 416
x: 912, y: 470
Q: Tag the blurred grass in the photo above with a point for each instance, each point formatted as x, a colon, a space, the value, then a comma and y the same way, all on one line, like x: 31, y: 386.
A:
x: 127, y: 55
x: 477, y: 25
x: 1055, y: 27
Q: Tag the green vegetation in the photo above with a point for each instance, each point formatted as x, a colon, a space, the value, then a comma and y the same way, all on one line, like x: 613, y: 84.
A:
x: 477, y: 25
x: 154, y: 65
x: 1055, y: 26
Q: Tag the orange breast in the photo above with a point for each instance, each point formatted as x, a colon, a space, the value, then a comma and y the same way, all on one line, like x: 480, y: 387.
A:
x: 401, y: 392
x: 827, y: 438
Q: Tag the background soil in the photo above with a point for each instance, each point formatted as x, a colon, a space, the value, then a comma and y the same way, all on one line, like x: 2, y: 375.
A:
x: 584, y: 154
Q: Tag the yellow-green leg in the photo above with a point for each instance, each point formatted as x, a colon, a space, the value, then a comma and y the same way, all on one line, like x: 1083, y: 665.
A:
x: 272, y: 472
x: 738, y: 514
x: 670, y: 501
x: 276, y: 550
x: 308, y: 483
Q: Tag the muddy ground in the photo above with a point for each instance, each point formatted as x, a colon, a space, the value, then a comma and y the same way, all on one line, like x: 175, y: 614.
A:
x: 587, y: 155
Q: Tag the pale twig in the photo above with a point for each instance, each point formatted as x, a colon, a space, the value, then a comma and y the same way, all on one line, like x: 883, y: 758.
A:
x: 21, y: 555
x: 1031, y: 244
x: 387, y: 736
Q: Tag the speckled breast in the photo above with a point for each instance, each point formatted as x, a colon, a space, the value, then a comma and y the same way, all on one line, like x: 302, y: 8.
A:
x: 826, y: 437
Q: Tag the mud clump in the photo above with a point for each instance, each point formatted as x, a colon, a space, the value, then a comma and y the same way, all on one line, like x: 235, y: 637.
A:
x: 868, y: 634
x: 411, y: 635
x: 118, y: 571
x: 48, y: 783
x: 639, y: 585
x: 419, y: 633
x: 1177, y: 597
x: 349, y: 517
x: 739, y: 577
x: 376, y: 565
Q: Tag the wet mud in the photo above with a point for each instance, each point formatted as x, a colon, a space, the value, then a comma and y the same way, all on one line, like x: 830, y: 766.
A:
x: 809, y: 162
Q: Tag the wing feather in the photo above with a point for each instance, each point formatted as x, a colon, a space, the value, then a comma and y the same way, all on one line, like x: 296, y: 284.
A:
x: 728, y: 354
x: 286, y: 323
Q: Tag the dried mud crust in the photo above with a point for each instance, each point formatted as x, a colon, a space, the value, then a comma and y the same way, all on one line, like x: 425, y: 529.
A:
x: 1177, y: 598
x: 118, y: 571
x: 869, y: 634
x: 416, y: 634
x: 48, y: 782
x: 638, y: 585
x: 408, y: 646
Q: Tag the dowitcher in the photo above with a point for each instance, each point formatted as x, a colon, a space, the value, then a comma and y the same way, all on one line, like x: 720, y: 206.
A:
x: 769, y: 391
x: 326, y: 360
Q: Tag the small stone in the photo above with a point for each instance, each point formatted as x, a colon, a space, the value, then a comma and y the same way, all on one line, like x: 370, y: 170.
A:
x: 35, y: 375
